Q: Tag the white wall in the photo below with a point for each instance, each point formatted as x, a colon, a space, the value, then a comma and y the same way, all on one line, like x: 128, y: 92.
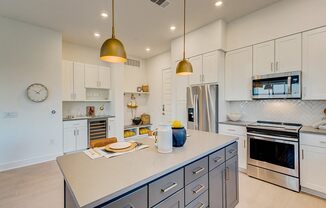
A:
x: 134, y: 76
x: 280, y: 19
x: 29, y: 54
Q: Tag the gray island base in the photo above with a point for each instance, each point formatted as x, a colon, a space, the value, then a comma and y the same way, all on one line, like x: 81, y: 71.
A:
x: 203, y: 173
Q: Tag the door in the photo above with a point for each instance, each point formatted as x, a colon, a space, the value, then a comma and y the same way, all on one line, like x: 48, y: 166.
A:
x: 67, y: 80
x: 79, y: 81
x: 81, y: 138
x: 174, y: 201
x: 313, y: 169
x: 288, y: 54
x: 238, y: 74
x: 217, y: 187
x: 104, y: 77
x: 91, y: 76
x: 263, y: 58
x: 197, y: 66
x: 166, y: 95
x: 314, y: 65
x: 210, y: 67
x: 242, y: 152
x: 232, y: 182
x: 69, y: 140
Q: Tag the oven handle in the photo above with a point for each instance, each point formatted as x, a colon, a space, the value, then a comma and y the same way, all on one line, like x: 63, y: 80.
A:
x: 273, y: 138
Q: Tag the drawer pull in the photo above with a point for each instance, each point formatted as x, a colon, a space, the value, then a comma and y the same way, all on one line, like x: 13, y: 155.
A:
x: 231, y: 151
x: 218, y: 159
x: 201, y: 205
x: 169, y: 188
x: 129, y: 206
x: 199, y: 170
x: 196, y: 191
x: 233, y: 130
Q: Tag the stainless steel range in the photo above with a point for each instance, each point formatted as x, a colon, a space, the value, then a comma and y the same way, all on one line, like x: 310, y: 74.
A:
x: 273, y: 153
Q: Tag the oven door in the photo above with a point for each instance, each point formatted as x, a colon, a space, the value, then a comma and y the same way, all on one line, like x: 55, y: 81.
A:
x: 274, y: 154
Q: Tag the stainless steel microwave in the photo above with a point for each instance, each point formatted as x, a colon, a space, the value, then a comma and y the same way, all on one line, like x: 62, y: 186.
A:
x: 277, y: 86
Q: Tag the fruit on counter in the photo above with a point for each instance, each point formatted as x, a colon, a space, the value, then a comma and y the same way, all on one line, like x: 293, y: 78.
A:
x: 176, y: 124
x: 128, y: 133
x: 143, y: 131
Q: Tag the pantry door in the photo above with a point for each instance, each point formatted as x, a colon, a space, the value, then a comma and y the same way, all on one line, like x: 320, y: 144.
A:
x: 166, y: 95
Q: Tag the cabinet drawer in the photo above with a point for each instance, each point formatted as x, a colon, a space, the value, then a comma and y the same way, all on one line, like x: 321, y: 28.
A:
x: 196, y: 170
x: 313, y: 140
x: 200, y: 202
x: 165, y: 187
x: 174, y: 201
x: 196, y: 188
x: 231, y: 150
x: 137, y: 199
x: 72, y: 124
x: 216, y: 159
x: 232, y: 129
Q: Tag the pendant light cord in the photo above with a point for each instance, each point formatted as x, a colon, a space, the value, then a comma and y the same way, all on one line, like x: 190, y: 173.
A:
x: 184, y: 29
x: 113, y: 29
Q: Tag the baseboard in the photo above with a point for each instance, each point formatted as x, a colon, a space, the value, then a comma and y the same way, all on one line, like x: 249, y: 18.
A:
x: 27, y: 162
x: 313, y: 192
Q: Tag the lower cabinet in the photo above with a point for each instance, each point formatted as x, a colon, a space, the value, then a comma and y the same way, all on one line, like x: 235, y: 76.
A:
x: 75, y: 136
x: 217, y: 187
x: 174, y: 201
x: 231, y: 182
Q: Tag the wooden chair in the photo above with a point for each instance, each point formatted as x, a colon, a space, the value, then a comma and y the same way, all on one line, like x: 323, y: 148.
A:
x: 102, y: 142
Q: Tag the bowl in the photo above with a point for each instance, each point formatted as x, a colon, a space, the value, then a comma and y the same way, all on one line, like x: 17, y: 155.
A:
x: 136, y: 121
x: 234, y: 116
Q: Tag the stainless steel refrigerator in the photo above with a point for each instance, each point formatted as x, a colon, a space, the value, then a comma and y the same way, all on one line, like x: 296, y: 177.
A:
x: 202, y: 108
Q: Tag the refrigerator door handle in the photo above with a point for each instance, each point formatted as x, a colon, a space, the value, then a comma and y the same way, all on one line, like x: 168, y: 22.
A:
x: 196, y: 112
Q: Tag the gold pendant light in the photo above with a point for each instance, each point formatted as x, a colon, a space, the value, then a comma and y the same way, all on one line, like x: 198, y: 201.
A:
x: 184, y: 67
x: 112, y: 49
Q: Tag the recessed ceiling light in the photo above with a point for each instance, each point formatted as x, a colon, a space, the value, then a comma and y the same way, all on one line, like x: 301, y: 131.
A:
x: 148, y: 49
x: 172, y: 28
x: 219, y: 3
x: 97, y: 35
x: 104, y: 14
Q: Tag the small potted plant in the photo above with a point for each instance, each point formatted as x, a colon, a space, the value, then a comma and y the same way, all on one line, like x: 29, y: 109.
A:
x: 179, y: 134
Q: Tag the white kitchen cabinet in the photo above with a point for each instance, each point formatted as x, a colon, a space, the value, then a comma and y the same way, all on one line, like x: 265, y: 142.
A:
x: 210, y: 67
x: 75, y: 135
x: 104, y: 77
x: 73, y: 81
x: 288, y: 53
x: 263, y: 58
x: 197, y: 67
x: 97, y: 77
x: 111, y: 127
x: 313, y: 158
x: 314, y: 65
x: 238, y: 74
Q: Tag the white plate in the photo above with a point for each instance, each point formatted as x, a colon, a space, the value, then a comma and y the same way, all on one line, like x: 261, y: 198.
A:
x: 120, y: 145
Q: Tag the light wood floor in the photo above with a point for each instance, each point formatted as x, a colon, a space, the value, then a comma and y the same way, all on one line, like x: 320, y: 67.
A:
x: 41, y: 186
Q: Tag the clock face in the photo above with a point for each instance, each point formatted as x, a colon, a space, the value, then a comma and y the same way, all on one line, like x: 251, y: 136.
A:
x: 37, y: 93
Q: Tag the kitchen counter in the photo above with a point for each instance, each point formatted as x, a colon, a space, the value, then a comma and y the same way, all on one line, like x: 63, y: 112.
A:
x: 236, y: 123
x: 311, y: 130
x: 93, y: 182
x: 87, y: 118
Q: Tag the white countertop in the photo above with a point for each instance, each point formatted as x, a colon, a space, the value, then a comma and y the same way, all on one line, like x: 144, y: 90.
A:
x: 94, y: 182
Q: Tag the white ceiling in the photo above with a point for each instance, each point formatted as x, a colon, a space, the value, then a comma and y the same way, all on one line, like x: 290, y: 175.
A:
x: 139, y: 23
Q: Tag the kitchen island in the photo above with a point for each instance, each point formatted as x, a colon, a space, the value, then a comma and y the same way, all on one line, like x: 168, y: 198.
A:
x: 147, y: 178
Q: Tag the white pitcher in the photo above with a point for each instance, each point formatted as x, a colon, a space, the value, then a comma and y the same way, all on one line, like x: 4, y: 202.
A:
x: 164, y: 138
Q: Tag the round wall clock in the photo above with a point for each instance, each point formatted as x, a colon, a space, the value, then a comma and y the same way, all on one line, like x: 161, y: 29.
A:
x: 37, y: 93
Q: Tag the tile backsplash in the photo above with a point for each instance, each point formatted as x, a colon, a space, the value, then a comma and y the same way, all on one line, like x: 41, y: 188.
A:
x: 297, y: 111
x: 79, y: 108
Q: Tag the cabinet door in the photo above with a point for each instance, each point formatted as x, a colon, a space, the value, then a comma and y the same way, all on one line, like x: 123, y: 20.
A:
x: 217, y: 187
x: 313, y: 169
x: 104, y: 77
x: 69, y: 140
x: 174, y: 201
x: 314, y: 65
x: 79, y: 81
x: 210, y: 67
x: 67, y: 80
x: 232, y: 182
x: 263, y: 58
x: 238, y: 74
x: 111, y: 127
x: 197, y: 66
x: 81, y: 138
x: 288, y: 53
x: 91, y: 76
x: 242, y: 152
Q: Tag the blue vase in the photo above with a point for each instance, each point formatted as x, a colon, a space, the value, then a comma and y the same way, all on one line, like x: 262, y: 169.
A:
x: 179, y: 136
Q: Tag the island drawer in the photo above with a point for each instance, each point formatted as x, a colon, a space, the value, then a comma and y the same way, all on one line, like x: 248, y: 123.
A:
x: 216, y: 158
x: 137, y: 199
x: 196, y: 188
x: 231, y: 150
x: 165, y: 187
x: 196, y: 170
x: 201, y: 201
x: 174, y: 201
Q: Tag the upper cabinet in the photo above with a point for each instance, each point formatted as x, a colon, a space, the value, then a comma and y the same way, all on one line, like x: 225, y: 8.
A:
x: 281, y: 55
x: 73, y: 81
x: 238, y: 73
x: 197, y: 67
x: 314, y: 64
x: 97, y: 77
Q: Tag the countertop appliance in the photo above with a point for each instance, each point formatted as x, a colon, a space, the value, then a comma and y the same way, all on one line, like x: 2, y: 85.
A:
x: 273, y: 153
x: 202, y: 107
x: 277, y: 86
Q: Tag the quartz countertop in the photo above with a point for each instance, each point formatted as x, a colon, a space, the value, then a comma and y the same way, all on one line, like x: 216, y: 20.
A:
x: 94, y: 182
x: 310, y: 129
x: 237, y: 123
x: 87, y: 117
